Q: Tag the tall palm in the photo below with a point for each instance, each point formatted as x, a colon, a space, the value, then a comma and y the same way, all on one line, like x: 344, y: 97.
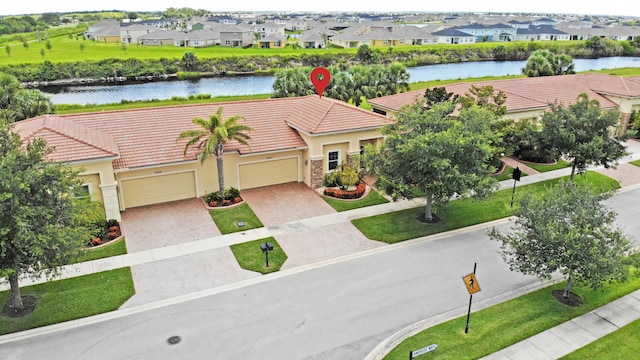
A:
x: 211, y: 137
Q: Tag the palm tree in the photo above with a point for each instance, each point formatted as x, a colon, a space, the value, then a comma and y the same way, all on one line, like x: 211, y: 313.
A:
x: 211, y: 137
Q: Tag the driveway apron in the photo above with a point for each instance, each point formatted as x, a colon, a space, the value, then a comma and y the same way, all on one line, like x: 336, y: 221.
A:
x: 177, y: 222
x: 283, y: 203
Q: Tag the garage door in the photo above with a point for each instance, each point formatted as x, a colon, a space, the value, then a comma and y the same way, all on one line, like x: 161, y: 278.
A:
x: 272, y: 172
x: 158, y: 189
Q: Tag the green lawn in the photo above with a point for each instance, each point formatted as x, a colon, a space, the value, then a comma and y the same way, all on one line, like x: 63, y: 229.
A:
x: 506, y: 175
x: 373, y: 198
x: 610, y: 346
x: 227, y: 219
x: 70, y: 299
x: 635, y: 162
x: 544, y: 168
x: 250, y: 256
x: 115, y: 248
x: 404, y: 225
x: 507, y: 323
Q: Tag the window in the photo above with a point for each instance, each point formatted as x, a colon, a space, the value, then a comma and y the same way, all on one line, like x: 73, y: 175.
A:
x: 334, y: 159
x: 82, y: 192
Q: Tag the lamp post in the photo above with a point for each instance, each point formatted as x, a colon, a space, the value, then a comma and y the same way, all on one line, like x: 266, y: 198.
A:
x: 516, y: 177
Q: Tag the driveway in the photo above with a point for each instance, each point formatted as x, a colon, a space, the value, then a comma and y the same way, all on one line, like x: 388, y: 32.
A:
x: 171, y: 223
x: 283, y: 203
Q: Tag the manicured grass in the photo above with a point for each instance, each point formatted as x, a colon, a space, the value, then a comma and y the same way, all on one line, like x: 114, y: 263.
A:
x: 404, y: 225
x: 510, y: 322
x: 506, y: 175
x: 227, y: 219
x: 611, y: 346
x: 635, y: 162
x: 250, y: 256
x: 70, y: 299
x: 544, y: 168
x: 373, y: 198
x: 74, y: 109
x: 115, y: 248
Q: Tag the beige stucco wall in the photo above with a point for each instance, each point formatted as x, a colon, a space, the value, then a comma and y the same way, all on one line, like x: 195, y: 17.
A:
x: 103, y: 186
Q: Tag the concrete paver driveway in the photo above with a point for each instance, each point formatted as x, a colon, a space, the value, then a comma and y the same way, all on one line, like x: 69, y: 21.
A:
x: 283, y: 203
x: 172, y: 223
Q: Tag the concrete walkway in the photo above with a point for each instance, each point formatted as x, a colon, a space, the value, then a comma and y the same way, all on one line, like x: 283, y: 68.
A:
x: 213, y: 253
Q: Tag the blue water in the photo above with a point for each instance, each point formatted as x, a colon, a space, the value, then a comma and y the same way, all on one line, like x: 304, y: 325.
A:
x: 248, y: 85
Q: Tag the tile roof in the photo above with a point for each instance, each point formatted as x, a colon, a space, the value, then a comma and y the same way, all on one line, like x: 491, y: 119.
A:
x: 147, y: 137
x: 536, y: 93
x: 72, y: 141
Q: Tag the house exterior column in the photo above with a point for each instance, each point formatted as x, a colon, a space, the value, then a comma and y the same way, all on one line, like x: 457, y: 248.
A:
x: 110, y: 201
x: 317, y: 171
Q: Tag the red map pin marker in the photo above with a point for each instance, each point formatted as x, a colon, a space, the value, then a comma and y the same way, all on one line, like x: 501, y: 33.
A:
x: 320, y: 78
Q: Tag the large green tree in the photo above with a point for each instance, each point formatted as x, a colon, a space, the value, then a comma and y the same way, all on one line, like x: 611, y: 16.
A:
x: 42, y: 225
x: 436, y: 154
x: 211, y: 137
x: 566, y: 229
x: 547, y: 63
x: 17, y: 103
x: 583, y: 133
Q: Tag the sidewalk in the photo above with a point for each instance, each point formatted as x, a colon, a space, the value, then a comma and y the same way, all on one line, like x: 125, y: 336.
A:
x: 566, y: 337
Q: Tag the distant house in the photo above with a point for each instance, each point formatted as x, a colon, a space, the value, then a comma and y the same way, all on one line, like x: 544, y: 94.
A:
x: 161, y: 37
x: 201, y: 38
x: 541, y: 33
x: 130, y: 34
x: 489, y: 33
x: 234, y: 36
x: 100, y: 26
x: 273, y: 41
x: 453, y: 36
x: 296, y: 25
x: 108, y: 35
x: 269, y: 28
x: 316, y: 38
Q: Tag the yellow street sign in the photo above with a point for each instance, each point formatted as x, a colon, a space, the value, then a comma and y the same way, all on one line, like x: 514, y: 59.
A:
x: 471, y: 283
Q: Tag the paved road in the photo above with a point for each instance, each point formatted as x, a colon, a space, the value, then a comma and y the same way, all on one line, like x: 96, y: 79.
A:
x: 340, y: 310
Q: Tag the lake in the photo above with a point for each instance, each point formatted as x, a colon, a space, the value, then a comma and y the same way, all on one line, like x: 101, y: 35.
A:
x: 262, y: 84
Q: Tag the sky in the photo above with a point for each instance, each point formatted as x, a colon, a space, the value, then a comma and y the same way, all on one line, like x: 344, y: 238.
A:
x: 611, y: 7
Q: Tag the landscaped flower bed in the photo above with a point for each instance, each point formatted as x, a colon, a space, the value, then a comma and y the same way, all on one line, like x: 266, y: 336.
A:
x: 336, y: 192
x: 215, y: 200
x: 109, y: 232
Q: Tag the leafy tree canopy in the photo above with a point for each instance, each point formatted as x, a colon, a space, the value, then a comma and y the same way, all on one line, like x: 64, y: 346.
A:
x: 566, y: 229
x: 547, y: 63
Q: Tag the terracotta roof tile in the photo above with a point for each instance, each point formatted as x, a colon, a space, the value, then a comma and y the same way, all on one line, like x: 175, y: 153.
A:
x: 532, y: 93
x: 148, y: 136
x: 72, y: 141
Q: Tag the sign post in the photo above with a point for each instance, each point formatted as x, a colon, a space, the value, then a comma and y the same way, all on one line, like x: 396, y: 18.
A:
x: 472, y: 285
x: 516, y: 177
x: 424, y: 350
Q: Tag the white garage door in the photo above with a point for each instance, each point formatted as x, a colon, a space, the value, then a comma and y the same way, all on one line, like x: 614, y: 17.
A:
x: 158, y: 189
x: 272, y: 172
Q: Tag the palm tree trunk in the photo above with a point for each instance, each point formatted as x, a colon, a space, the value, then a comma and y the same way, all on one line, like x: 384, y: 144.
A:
x: 573, y: 172
x: 220, y: 175
x: 16, y: 297
x: 428, y: 211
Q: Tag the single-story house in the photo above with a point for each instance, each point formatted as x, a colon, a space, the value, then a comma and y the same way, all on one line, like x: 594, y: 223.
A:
x: 272, y: 41
x: 132, y: 158
x: 528, y: 98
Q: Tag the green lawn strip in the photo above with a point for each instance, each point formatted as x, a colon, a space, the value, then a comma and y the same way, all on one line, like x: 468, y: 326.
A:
x: 635, y: 162
x: 506, y: 174
x: 507, y: 323
x: 404, y: 225
x: 544, y: 168
x: 227, y: 219
x: 250, y: 256
x: 115, y: 248
x: 373, y: 198
x: 620, y: 344
x: 74, y: 109
x: 70, y: 299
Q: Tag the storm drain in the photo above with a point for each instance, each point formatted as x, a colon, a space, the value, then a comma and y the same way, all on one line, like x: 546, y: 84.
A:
x: 174, y: 340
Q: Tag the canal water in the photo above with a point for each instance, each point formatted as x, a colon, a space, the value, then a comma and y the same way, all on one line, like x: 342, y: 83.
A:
x: 261, y: 84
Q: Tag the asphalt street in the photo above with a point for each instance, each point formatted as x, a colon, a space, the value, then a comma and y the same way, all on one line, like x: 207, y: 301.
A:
x: 339, y: 310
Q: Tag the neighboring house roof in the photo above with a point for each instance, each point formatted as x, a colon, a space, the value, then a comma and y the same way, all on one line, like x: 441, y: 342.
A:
x: 147, y: 137
x: 540, y: 29
x: 536, y: 93
x: 108, y: 31
x: 273, y: 38
x: 72, y: 141
x: 451, y: 32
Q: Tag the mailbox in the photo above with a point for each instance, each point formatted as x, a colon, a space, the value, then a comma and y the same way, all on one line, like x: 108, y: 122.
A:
x: 266, y: 247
